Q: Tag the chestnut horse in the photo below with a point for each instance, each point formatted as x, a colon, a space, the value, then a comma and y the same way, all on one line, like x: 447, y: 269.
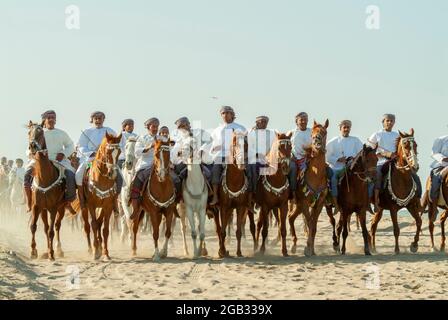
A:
x: 353, y: 196
x: 442, y: 203
x: 273, y: 190
x: 233, y: 194
x: 312, y: 188
x: 100, y: 192
x: 48, y: 192
x: 401, y: 190
x: 159, y: 199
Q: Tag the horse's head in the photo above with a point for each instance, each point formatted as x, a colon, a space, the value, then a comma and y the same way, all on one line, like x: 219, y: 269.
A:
x: 284, y: 149
x: 365, y: 163
x: 162, y: 157
x: 108, y: 154
x: 407, y: 150
x: 129, y: 151
x: 36, y: 138
x: 192, y: 150
x: 239, y: 149
x: 319, y: 136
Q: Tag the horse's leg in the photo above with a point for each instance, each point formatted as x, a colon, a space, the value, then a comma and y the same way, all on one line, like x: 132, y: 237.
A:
x: 432, y: 215
x: 169, y: 220
x: 183, y: 226
x: 243, y: 224
x: 226, y: 214
x: 264, y: 216
x: 94, y: 224
x: 59, y: 217
x: 100, y: 221
x: 228, y: 235
x: 240, y: 212
x: 362, y: 217
x: 339, y: 228
x: 443, y: 218
x: 202, y: 215
x: 333, y: 225
x: 33, y: 228
x: 415, y: 212
x: 291, y: 219
x: 44, y: 215
x: 134, y: 230
x: 282, y: 227
x: 259, y: 227
x: 216, y: 217
x: 252, y: 228
x: 357, y: 222
x: 393, y: 215
x: 190, y: 215
x: 345, y: 217
x: 106, y: 223
x: 156, y: 219
x: 310, y: 216
x: 374, y: 225
x: 349, y: 221
x: 53, y: 214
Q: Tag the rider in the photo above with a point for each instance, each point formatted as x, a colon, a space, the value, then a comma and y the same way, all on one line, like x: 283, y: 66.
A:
x: 60, y: 147
x: 440, y: 163
x: 386, y: 142
x: 181, y: 137
x: 221, y: 142
x: 127, y: 132
x: 4, y: 168
x: 260, y: 140
x: 339, y: 150
x: 300, y: 139
x: 144, y: 151
x: 88, y: 145
x: 18, y: 172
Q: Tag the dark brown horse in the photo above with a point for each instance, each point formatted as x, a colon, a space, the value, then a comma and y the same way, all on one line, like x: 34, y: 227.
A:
x: 312, y: 189
x: 48, y: 192
x: 100, y: 193
x: 441, y: 203
x: 159, y: 199
x: 353, y: 195
x: 273, y: 190
x: 401, y: 190
x: 233, y: 194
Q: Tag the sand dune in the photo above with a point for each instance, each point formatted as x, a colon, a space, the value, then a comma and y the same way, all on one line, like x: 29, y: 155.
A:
x: 327, y: 276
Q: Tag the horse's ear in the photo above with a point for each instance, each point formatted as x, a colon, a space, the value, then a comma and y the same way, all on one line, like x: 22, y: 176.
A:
x: 315, y: 123
x: 412, y: 132
x: 107, y: 135
x: 119, y: 136
x: 30, y: 124
x: 289, y: 135
x: 327, y: 123
x: 401, y: 133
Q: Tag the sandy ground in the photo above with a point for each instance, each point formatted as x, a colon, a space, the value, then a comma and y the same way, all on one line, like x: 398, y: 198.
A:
x: 327, y: 276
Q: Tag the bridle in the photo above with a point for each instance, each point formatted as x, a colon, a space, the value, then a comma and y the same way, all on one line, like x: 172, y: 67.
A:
x: 365, y: 174
x: 112, y: 167
x: 36, y: 144
x: 410, y: 157
x: 162, y: 170
x: 283, y: 159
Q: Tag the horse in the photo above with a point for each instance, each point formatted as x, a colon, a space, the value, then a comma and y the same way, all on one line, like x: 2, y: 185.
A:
x: 273, y: 190
x: 48, y: 193
x: 401, y: 190
x: 159, y: 198
x: 100, y: 193
x: 442, y: 203
x: 195, y: 196
x: 16, y: 196
x: 312, y: 188
x: 233, y: 194
x: 353, y: 196
x: 128, y: 172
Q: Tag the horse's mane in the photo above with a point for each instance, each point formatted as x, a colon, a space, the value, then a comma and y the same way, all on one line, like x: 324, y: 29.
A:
x: 308, y: 149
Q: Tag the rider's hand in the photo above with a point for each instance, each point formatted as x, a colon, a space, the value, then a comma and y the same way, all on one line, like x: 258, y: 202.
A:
x: 393, y: 156
x: 445, y: 160
x: 60, y: 157
x: 342, y: 159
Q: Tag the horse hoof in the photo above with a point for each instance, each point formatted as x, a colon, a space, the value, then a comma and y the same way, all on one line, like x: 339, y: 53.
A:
x: 414, y: 248
x: 336, y: 248
x: 106, y: 258
x: 397, y: 251
x: 239, y: 255
x: 434, y: 249
x: 285, y: 254
x: 33, y: 254
x: 156, y: 258
x: 44, y: 255
x: 60, y: 254
x: 163, y: 254
x: 367, y: 253
x: 307, y: 252
x: 442, y: 248
x: 294, y: 249
x: 204, y: 252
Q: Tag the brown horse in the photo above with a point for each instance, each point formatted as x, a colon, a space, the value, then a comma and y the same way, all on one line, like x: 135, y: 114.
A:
x: 233, y: 194
x: 353, y: 195
x: 441, y: 203
x: 273, y: 190
x: 48, y: 192
x: 100, y: 192
x: 312, y: 189
x: 159, y: 199
x: 401, y: 190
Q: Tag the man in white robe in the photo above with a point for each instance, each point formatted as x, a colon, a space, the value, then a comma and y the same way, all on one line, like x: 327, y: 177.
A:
x: 88, y: 144
x: 221, y: 143
x: 438, y: 166
x: 60, y: 147
x: 127, y: 132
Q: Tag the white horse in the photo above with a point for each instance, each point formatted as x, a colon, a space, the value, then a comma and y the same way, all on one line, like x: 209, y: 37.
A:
x: 128, y: 174
x: 195, y: 195
x: 16, y: 196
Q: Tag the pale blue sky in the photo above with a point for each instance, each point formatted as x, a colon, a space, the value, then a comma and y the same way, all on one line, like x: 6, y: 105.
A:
x: 167, y: 58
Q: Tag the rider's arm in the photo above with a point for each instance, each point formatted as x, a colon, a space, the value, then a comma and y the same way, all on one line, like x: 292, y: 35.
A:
x: 437, y: 151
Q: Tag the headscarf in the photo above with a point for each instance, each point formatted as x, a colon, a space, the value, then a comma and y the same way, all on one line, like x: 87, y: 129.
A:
x: 97, y: 114
x: 347, y: 123
x: 47, y: 113
x: 389, y: 116
x: 152, y: 121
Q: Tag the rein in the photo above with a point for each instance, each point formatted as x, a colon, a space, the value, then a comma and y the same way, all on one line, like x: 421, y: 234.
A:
x: 402, y: 202
x: 266, y: 184
x: 229, y: 192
